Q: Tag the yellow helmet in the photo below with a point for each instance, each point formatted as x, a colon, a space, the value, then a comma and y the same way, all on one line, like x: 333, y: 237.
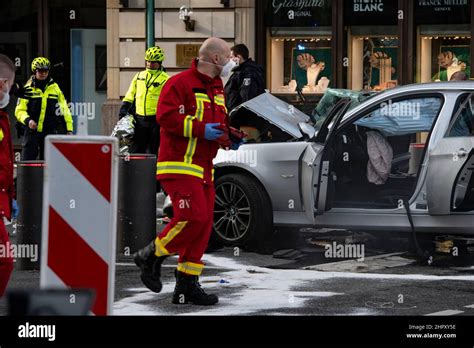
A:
x: 40, y: 63
x: 155, y: 54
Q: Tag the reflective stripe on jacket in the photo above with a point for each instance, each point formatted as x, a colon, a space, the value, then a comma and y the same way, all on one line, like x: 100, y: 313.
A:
x: 145, y: 90
x: 45, y: 108
x: 188, y: 101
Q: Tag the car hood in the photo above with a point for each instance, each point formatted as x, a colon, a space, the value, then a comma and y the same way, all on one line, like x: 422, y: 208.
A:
x: 274, y: 110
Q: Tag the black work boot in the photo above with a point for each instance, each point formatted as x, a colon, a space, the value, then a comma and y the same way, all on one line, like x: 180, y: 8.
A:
x: 188, y: 290
x: 150, y: 266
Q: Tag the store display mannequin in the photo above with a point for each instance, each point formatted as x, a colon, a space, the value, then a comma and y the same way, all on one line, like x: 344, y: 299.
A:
x: 453, y: 68
x: 449, y: 64
x: 313, y: 72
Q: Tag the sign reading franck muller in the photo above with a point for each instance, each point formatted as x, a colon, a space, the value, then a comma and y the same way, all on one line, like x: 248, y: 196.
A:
x: 298, y: 13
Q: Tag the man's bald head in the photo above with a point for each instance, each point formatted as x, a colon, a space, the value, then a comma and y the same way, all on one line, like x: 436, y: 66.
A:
x: 212, y: 47
x: 7, y: 77
x: 213, y: 55
x: 7, y: 69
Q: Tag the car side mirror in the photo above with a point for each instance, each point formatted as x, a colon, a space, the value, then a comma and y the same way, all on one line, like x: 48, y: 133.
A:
x: 307, y: 130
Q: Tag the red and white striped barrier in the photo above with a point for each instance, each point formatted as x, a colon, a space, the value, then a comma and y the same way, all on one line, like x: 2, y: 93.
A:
x: 80, y: 216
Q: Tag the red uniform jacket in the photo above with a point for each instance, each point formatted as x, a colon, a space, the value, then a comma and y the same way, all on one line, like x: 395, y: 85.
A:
x: 187, y: 102
x: 6, y: 167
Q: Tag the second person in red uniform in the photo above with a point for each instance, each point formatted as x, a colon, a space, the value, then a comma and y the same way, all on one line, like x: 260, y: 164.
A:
x: 190, y: 109
x: 8, y: 206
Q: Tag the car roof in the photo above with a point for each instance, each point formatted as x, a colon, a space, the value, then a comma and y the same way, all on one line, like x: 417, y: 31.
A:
x: 416, y: 87
x: 449, y: 85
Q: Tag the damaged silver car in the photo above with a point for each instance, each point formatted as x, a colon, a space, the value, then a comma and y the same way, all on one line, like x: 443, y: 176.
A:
x: 402, y: 160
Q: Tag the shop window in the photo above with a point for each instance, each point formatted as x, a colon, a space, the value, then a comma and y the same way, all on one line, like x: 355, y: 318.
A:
x: 443, y: 56
x: 374, y: 62
x: 305, y: 64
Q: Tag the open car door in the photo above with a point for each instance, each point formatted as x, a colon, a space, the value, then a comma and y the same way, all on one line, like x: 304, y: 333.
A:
x: 450, y: 175
x: 315, y: 171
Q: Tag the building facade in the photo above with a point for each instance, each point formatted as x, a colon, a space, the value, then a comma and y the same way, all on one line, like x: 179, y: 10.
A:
x: 362, y: 44
x: 96, y: 46
x: 233, y: 21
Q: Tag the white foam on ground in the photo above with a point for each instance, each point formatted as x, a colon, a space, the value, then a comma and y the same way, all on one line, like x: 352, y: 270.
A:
x: 258, y: 289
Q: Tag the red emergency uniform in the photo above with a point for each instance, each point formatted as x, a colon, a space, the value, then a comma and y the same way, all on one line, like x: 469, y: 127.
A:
x: 6, y: 195
x: 188, y: 102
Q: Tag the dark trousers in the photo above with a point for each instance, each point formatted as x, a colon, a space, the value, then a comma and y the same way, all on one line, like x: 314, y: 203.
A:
x: 33, y: 145
x: 147, y: 135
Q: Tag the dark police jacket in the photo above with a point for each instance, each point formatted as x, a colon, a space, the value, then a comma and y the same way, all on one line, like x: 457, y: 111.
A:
x: 246, y: 82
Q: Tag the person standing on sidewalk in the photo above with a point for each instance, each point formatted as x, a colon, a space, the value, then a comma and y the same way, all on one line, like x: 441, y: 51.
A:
x: 8, y: 206
x: 247, y: 80
x: 192, y: 113
x: 142, y: 96
x: 44, y: 112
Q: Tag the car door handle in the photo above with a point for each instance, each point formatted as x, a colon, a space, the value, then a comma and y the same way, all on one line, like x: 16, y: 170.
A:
x: 461, y: 153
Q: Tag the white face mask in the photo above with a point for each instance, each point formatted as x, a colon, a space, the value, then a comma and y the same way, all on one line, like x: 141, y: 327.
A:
x: 236, y: 60
x: 5, y: 100
x: 227, y: 68
x: 6, y: 96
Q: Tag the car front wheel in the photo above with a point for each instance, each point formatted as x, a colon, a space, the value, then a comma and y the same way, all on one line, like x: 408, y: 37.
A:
x: 242, y: 213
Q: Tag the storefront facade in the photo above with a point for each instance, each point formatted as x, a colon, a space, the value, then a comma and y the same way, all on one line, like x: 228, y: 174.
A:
x: 362, y: 44
x: 72, y: 35
x: 233, y: 21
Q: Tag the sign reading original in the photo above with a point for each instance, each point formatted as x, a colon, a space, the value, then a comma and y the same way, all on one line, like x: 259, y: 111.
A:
x: 295, y: 4
x: 298, y: 12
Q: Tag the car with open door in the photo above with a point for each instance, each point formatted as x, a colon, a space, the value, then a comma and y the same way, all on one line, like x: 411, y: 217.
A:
x: 402, y: 160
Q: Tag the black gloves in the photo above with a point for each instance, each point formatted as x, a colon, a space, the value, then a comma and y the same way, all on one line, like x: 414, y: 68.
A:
x: 24, y: 92
x: 125, y: 109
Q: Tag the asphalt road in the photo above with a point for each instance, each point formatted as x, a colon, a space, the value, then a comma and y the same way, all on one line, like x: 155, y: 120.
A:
x: 304, y: 281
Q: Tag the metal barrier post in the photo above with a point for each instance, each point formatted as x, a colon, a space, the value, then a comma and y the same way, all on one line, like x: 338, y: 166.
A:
x: 137, y: 203
x: 30, y: 201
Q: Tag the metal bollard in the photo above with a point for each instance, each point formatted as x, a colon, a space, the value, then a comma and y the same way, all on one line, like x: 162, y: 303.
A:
x: 30, y: 201
x: 136, y: 203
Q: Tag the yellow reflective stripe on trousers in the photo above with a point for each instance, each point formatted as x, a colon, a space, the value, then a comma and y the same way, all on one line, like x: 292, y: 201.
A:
x: 190, y: 268
x: 173, y: 232
x: 160, y: 250
x: 179, y: 168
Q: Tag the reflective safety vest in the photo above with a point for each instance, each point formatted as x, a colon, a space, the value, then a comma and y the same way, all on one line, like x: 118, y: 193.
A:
x: 189, y: 100
x: 145, y: 90
x: 45, y: 108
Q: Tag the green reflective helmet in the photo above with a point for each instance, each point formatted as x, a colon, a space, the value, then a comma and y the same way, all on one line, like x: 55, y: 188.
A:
x: 155, y: 54
x: 40, y: 63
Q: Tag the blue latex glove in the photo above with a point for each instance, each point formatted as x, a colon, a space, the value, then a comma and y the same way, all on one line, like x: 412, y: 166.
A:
x: 211, y: 132
x: 15, y: 209
x: 235, y: 146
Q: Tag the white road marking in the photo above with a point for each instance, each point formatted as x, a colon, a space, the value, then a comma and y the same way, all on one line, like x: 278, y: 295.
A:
x: 470, y: 306
x: 445, y: 313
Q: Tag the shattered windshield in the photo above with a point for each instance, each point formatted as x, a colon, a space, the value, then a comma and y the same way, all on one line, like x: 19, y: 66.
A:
x: 331, y: 97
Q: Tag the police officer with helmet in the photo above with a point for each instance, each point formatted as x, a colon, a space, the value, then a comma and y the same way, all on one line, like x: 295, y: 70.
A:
x: 141, y: 101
